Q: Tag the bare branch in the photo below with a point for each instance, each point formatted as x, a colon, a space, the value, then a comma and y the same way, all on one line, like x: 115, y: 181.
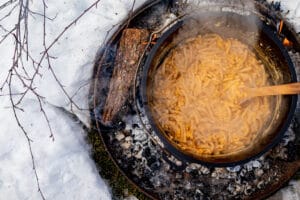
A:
x: 14, y: 108
x: 7, y: 4
x: 13, y: 94
x: 46, y: 52
x: 20, y: 35
x: 9, y: 13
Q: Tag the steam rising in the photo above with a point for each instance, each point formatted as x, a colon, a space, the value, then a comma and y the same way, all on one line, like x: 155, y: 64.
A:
x: 234, y: 18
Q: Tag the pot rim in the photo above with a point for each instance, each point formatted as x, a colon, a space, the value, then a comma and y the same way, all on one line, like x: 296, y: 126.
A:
x: 187, y: 157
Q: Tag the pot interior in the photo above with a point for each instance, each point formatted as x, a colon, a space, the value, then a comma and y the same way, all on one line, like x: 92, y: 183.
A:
x: 250, y: 31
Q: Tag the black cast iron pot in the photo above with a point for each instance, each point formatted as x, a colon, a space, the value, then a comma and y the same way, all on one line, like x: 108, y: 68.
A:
x: 267, y: 46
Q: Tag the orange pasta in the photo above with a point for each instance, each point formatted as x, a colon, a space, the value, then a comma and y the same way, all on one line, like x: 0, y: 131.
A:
x: 196, y: 93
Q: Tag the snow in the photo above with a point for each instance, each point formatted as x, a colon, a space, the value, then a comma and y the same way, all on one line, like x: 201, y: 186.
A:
x: 292, y: 7
x: 64, y: 166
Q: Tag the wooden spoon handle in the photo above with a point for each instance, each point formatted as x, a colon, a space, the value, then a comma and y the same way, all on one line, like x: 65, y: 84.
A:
x: 291, y: 88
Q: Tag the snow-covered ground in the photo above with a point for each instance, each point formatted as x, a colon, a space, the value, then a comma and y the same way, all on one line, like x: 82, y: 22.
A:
x: 293, y: 14
x: 64, y: 166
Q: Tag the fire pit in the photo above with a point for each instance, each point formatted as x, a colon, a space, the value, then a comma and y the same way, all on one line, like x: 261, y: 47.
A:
x: 137, y: 147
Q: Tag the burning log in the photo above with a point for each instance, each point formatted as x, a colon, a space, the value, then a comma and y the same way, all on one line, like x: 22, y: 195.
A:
x: 132, y: 45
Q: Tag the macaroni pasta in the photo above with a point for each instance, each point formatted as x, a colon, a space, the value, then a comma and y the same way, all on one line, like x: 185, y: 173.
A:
x: 196, y: 91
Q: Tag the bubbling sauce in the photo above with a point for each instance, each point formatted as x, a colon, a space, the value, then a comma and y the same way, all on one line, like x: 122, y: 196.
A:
x: 196, y: 92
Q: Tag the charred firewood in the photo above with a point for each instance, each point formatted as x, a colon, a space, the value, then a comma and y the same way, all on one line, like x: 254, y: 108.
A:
x: 132, y: 45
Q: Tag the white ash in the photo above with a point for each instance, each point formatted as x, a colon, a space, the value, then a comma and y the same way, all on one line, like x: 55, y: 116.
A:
x: 236, y: 168
x: 259, y: 172
x: 120, y: 136
x: 204, y: 170
x: 148, y: 160
x: 252, y: 164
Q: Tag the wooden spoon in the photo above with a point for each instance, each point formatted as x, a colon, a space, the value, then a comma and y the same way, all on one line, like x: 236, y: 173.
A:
x: 285, y: 89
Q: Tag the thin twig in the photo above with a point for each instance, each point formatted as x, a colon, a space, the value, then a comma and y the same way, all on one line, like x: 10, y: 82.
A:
x: 7, y: 4
x: 14, y: 108
x: 46, y: 55
x: 9, y: 13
